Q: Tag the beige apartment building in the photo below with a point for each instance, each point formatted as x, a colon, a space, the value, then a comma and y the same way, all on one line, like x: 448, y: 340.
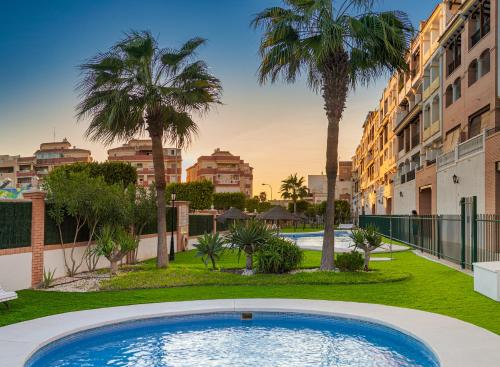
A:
x: 228, y: 173
x: 24, y: 171
x: 318, y: 186
x: 139, y: 153
x: 446, y: 131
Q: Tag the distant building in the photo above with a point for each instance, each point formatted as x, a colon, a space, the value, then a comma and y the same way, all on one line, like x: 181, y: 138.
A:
x: 21, y: 170
x: 139, y: 153
x: 318, y: 187
x: 228, y: 173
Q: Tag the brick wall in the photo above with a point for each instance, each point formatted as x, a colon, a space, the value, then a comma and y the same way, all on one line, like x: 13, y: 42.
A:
x: 492, y: 176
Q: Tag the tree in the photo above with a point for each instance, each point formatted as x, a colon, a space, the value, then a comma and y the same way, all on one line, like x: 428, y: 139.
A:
x: 293, y: 188
x: 367, y: 240
x: 337, y: 47
x: 114, y: 242
x: 248, y: 237
x: 138, y: 87
x: 300, y: 206
x: 112, y: 172
x: 263, y: 197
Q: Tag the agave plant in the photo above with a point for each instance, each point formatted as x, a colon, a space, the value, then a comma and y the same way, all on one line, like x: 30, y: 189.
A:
x: 248, y: 237
x: 210, y: 247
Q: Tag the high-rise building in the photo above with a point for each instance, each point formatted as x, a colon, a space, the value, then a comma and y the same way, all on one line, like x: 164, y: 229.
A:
x: 139, y: 153
x: 228, y: 173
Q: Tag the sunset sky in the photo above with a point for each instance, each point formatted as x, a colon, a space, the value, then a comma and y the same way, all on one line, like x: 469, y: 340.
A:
x: 278, y: 129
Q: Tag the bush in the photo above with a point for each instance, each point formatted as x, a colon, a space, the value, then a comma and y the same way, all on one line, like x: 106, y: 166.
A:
x: 112, y: 172
x: 350, y: 261
x: 198, y: 193
x: 279, y: 255
x: 226, y: 200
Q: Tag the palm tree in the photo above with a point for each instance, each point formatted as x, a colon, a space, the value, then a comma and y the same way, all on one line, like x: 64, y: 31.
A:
x: 138, y: 87
x: 293, y: 188
x: 338, y: 45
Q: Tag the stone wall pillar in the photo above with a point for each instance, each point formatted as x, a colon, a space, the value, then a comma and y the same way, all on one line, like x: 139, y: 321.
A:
x: 182, y: 225
x: 37, y: 234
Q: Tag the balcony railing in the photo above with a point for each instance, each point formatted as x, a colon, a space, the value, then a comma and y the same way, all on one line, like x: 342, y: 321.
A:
x: 452, y: 66
x: 471, y: 146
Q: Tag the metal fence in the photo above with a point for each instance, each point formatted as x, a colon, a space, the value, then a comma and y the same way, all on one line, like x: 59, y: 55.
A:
x: 15, y: 224
x: 462, y: 239
x: 200, y: 224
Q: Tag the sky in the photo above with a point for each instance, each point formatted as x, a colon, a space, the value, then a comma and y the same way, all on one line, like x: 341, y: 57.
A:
x: 279, y: 129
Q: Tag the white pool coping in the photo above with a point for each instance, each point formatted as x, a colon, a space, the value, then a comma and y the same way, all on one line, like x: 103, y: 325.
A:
x: 455, y: 343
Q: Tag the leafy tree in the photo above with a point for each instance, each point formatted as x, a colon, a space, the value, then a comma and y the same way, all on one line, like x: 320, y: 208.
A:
x: 338, y: 45
x: 252, y: 204
x: 226, y: 200
x: 138, y: 87
x: 342, y: 211
x: 300, y: 206
x: 263, y: 196
x: 367, y: 240
x: 112, y: 172
x: 293, y: 188
x: 114, y: 242
x: 210, y: 247
x: 248, y: 237
x: 89, y: 201
x: 198, y: 193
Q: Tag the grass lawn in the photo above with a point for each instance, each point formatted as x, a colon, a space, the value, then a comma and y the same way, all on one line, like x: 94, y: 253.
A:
x: 431, y: 287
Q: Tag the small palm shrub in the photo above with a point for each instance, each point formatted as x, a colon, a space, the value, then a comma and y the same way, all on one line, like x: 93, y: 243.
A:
x: 48, y: 277
x: 367, y: 240
x: 210, y: 247
x: 350, y: 261
x: 114, y: 242
x: 248, y: 237
x: 278, y: 255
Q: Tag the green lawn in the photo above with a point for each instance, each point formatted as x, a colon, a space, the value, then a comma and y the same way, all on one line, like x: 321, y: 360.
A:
x: 431, y: 287
x: 188, y: 270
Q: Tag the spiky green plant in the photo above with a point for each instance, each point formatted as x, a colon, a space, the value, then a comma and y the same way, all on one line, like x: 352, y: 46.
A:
x: 210, y: 247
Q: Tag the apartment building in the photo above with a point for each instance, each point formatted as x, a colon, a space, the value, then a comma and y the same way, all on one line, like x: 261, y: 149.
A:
x: 228, y: 173
x: 318, y: 186
x: 25, y: 171
x: 139, y: 153
x: 447, y: 123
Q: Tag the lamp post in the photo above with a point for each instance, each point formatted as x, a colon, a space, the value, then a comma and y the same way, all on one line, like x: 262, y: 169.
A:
x: 271, y: 188
x: 171, y: 256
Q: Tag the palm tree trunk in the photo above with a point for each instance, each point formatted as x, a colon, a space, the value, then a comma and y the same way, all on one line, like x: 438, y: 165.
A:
x: 335, y: 86
x: 156, y: 135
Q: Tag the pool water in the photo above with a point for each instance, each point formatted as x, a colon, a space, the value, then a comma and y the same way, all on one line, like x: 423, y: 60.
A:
x: 223, y: 339
x: 314, y: 240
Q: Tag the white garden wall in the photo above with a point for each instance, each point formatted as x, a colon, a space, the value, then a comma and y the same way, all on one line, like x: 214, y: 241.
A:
x: 15, y: 271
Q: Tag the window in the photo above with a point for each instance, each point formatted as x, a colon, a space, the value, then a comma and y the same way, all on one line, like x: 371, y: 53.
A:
x: 473, y: 72
x: 435, y: 109
x: 478, y: 121
x: 449, y: 96
x: 457, y: 89
x: 479, y: 23
x: 484, y: 63
x: 454, y: 54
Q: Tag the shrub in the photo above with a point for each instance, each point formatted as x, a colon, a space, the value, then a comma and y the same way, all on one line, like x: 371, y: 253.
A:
x: 210, y: 247
x: 349, y: 261
x: 278, y: 255
x: 198, y: 193
x: 111, y: 172
x: 226, y: 200
x: 248, y: 237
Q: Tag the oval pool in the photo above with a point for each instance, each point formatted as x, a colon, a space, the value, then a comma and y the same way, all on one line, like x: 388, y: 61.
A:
x: 314, y: 240
x: 224, y: 339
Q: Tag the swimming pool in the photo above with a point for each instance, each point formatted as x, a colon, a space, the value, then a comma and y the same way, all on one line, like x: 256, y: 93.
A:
x: 314, y: 240
x: 224, y: 339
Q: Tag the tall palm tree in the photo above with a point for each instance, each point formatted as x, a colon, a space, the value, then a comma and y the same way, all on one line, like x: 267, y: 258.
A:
x: 138, y: 87
x: 338, y: 45
x: 293, y: 188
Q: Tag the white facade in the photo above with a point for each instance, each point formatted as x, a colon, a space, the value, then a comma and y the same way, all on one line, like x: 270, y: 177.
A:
x: 404, y: 198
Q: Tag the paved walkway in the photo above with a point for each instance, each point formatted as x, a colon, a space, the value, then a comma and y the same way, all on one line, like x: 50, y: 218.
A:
x: 454, y: 342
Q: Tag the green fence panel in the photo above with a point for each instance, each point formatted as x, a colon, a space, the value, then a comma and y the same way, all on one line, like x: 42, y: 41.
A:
x: 200, y: 224
x: 171, y: 217
x: 68, y: 229
x: 15, y: 224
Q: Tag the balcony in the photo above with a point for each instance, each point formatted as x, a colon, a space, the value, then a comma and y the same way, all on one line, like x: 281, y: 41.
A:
x: 463, y: 150
x: 452, y: 66
x: 431, y: 88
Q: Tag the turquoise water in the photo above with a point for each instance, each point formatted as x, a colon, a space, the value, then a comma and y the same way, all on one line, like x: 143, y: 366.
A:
x: 223, y: 339
x: 314, y: 240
